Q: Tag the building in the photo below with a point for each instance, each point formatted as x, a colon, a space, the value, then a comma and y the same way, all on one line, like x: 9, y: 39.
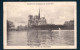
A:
x: 36, y: 20
x: 69, y: 23
x: 42, y: 21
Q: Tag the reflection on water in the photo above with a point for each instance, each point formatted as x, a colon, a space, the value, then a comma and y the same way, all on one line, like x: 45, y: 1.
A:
x: 42, y: 38
x: 17, y: 38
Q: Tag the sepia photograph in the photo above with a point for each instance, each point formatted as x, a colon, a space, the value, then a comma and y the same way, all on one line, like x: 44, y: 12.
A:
x: 40, y: 25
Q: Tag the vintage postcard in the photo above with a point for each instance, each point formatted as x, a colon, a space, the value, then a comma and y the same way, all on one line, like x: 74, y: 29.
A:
x: 40, y: 25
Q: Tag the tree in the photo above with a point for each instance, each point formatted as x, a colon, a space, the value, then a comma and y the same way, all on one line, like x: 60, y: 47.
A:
x: 10, y: 25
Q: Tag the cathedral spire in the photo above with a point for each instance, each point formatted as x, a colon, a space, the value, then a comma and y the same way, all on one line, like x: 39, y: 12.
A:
x: 39, y: 14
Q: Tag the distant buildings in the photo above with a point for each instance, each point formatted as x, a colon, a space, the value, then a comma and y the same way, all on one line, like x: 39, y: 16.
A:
x: 69, y: 23
x: 21, y: 28
x: 36, y: 20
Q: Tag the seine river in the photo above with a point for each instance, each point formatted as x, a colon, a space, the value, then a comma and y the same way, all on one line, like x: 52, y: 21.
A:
x: 24, y: 38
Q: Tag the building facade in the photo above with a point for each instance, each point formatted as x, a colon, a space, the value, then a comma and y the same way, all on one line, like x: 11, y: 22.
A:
x: 36, y: 20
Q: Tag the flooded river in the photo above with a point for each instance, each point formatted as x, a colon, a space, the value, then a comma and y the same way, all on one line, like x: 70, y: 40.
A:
x: 43, y: 37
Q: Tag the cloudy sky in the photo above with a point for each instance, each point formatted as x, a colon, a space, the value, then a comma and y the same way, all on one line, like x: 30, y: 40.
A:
x: 54, y: 12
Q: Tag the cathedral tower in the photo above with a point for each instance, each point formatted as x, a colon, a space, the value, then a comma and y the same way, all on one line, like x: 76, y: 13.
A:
x: 39, y: 14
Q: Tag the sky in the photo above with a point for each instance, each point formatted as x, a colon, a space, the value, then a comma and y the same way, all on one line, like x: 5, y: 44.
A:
x: 54, y: 12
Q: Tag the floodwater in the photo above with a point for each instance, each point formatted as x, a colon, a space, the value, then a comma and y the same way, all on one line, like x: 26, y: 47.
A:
x: 40, y: 38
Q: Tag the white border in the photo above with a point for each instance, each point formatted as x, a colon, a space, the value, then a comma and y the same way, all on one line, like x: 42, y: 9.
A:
x: 27, y: 47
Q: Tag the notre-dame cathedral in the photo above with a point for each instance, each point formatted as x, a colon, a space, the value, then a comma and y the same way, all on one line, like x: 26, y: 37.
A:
x: 36, y: 20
